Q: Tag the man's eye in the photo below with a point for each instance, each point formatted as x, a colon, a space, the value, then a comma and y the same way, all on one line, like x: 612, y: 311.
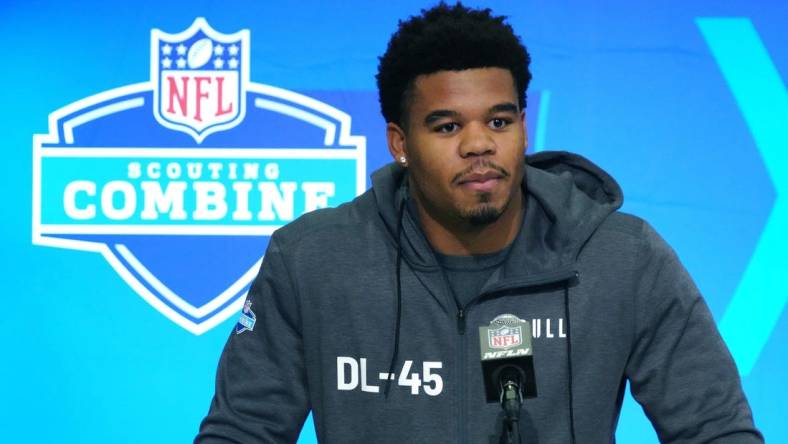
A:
x: 447, y: 128
x: 498, y: 123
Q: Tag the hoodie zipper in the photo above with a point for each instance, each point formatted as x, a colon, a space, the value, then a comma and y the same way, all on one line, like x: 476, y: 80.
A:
x: 462, y: 372
x: 461, y: 364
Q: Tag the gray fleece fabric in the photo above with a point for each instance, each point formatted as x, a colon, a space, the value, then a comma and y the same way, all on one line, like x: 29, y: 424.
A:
x: 320, y: 328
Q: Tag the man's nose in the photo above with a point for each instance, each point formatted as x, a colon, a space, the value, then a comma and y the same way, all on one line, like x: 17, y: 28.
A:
x: 476, y: 141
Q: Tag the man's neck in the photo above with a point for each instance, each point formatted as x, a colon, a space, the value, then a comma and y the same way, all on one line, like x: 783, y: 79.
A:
x: 461, y: 238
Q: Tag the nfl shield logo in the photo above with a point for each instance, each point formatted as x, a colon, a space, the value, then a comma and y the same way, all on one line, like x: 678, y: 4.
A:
x: 199, y: 76
x: 505, y: 337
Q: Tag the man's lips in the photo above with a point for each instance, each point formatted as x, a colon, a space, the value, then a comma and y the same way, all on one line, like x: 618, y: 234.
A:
x: 483, y: 181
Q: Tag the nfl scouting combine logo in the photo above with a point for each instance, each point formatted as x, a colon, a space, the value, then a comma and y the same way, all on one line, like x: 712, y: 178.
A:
x: 180, y: 181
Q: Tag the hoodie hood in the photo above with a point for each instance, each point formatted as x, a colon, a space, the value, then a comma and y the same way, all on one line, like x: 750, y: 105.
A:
x: 567, y: 197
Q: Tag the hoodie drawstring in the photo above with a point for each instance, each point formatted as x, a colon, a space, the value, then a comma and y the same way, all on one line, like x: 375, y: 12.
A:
x: 399, y: 296
x: 569, y: 361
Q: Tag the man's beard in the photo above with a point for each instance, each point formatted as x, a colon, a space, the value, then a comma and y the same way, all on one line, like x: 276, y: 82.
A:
x: 483, y: 214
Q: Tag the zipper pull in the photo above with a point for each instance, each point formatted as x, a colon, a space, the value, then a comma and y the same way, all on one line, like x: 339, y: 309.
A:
x: 461, y: 321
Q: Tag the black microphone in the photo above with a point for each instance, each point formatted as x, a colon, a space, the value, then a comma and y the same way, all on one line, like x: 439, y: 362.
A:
x: 507, y: 358
x: 508, y: 369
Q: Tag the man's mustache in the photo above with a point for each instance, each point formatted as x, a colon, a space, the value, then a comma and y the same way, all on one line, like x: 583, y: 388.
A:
x: 479, y: 166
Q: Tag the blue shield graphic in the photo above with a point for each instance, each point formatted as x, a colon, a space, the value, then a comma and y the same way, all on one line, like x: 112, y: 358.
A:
x: 184, y: 218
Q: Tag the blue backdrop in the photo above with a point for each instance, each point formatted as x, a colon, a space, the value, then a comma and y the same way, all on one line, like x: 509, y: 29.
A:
x: 685, y: 104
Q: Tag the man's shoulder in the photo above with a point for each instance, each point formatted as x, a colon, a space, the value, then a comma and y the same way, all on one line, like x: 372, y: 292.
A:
x: 636, y: 231
x: 330, y: 223
x: 624, y: 224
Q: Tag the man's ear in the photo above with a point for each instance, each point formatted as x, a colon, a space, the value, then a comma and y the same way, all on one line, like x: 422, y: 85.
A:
x: 525, y: 131
x: 395, y: 136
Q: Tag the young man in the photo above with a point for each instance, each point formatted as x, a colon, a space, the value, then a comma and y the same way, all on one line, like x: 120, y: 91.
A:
x: 368, y: 314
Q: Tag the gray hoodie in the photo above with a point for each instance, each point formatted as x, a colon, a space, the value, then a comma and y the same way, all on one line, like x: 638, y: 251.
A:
x: 343, y: 290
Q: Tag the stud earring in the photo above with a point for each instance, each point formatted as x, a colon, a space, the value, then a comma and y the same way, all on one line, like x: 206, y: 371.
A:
x: 403, y: 160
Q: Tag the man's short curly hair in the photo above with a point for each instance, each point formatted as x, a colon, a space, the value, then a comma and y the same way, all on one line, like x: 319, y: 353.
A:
x: 447, y: 38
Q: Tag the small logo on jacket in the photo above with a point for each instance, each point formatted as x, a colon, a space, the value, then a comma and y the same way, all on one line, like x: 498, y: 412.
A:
x: 247, y: 319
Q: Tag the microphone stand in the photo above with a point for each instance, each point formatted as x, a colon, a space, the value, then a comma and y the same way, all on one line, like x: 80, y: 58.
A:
x: 511, y: 401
